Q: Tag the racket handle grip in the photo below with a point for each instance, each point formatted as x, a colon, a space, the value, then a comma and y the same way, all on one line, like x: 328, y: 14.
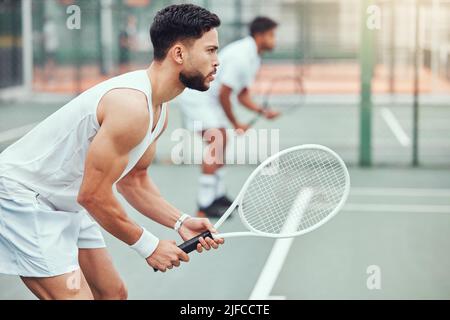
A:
x: 253, y: 121
x: 265, y: 106
x: 191, y: 244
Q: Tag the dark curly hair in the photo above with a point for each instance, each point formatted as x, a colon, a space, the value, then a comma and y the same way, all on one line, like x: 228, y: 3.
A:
x: 177, y: 23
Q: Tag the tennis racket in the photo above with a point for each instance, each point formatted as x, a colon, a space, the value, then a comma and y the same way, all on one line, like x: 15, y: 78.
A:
x: 295, y: 101
x: 289, y: 194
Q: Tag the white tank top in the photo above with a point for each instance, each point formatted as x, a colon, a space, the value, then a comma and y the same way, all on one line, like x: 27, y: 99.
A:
x: 50, y: 159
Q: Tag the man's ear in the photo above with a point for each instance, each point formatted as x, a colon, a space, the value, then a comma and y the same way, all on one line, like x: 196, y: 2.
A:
x: 177, y: 53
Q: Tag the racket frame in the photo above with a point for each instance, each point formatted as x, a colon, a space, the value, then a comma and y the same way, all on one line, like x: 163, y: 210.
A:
x: 299, y: 92
x: 261, y: 166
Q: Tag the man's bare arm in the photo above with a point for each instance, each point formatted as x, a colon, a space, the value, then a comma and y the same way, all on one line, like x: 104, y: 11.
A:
x: 124, y: 122
x: 225, y: 101
x: 246, y: 100
x: 140, y: 191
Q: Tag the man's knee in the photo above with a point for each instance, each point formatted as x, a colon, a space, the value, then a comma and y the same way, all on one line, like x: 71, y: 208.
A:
x: 117, y: 291
x: 122, y: 292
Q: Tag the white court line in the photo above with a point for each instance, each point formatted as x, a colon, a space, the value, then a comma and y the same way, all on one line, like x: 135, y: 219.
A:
x: 15, y: 133
x: 395, y: 192
x: 402, y: 208
x: 395, y: 127
x: 280, y: 249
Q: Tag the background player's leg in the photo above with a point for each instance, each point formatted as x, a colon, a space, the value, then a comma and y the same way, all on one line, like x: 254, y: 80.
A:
x: 212, y: 162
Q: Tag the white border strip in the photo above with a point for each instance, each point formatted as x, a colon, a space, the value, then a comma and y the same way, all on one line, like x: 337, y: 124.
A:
x: 395, y: 127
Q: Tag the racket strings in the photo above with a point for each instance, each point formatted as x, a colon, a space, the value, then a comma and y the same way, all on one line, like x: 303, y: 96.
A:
x: 294, y: 192
x: 326, y: 199
x: 315, y: 213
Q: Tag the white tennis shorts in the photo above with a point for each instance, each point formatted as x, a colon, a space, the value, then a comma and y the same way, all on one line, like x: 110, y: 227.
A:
x: 36, y: 240
x: 201, y: 111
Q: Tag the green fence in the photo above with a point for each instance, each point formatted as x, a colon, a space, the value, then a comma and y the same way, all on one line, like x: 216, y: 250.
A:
x: 10, y: 43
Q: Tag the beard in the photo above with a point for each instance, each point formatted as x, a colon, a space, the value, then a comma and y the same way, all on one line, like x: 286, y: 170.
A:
x: 195, y: 81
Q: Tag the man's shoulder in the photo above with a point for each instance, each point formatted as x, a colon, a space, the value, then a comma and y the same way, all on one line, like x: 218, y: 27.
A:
x: 134, y: 101
x: 238, y: 52
x: 240, y: 44
x: 128, y: 105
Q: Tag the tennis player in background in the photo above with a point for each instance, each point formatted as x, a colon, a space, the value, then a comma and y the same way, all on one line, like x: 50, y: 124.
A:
x: 63, y: 172
x: 213, y: 110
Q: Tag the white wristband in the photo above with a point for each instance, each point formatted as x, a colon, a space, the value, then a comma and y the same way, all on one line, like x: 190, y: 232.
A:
x: 146, y: 244
x: 180, y: 221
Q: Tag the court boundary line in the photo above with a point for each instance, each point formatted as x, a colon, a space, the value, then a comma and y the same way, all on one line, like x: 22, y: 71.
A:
x: 393, y: 124
x: 271, y: 269
x: 395, y: 192
x: 280, y: 249
x: 400, y: 208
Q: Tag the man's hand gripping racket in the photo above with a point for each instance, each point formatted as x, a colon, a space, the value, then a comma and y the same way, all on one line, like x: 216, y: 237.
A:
x: 289, y: 194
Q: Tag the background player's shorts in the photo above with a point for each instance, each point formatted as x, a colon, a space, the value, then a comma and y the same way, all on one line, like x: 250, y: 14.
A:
x: 200, y: 110
x: 38, y: 241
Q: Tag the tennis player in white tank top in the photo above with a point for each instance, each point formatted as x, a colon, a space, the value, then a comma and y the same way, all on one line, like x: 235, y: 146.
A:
x: 60, y: 175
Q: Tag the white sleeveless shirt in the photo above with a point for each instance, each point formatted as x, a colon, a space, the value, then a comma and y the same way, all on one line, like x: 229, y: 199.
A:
x: 50, y: 159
